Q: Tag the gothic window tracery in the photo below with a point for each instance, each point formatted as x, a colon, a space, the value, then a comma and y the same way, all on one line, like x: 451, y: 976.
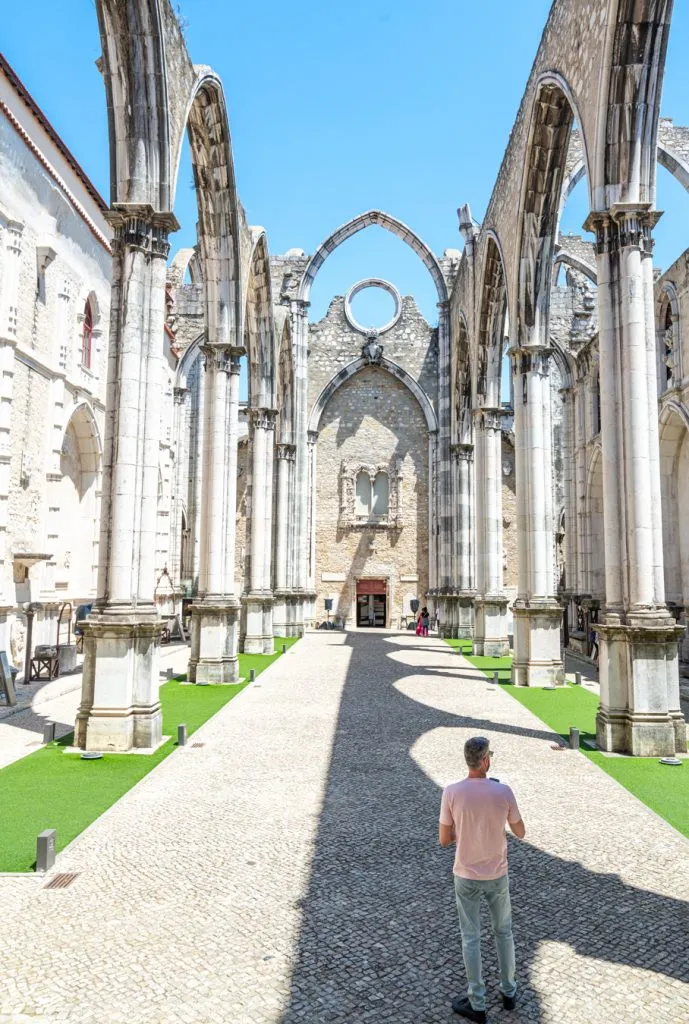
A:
x: 668, y: 344
x: 87, y: 336
x: 371, y: 495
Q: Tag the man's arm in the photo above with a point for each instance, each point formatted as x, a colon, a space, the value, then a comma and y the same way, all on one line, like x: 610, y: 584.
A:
x: 518, y: 827
x: 446, y: 834
x: 514, y: 818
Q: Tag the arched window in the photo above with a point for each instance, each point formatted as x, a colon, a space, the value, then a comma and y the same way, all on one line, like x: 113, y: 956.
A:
x: 595, y: 405
x: 381, y: 495
x: 363, y: 494
x: 87, y: 336
x: 669, y: 376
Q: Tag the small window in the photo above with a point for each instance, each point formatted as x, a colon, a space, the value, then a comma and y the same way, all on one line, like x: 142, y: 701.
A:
x: 363, y: 495
x: 668, y: 351
x: 87, y: 336
x: 381, y: 495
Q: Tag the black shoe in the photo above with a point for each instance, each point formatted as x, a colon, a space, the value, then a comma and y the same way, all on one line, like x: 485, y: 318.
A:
x: 463, y: 1008
x: 508, y: 1002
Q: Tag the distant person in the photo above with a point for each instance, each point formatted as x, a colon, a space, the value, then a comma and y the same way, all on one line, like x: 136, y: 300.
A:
x: 425, y: 620
x: 473, y: 814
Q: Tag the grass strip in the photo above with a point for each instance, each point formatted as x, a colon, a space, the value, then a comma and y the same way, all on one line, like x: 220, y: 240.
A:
x: 51, y: 789
x: 665, y: 790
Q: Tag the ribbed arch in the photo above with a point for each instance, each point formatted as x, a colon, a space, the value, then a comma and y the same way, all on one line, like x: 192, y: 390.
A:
x: 365, y: 220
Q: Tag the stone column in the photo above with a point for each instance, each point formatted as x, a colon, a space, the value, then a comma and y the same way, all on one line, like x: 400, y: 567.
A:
x: 463, y: 455
x: 215, y: 614
x: 311, y: 504
x: 537, y: 612
x: 443, y: 501
x: 262, y: 427
x: 490, y: 638
x: 301, y: 539
x: 268, y: 541
x: 180, y: 478
x: 120, y: 709
x: 637, y: 635
x: 286, y: 455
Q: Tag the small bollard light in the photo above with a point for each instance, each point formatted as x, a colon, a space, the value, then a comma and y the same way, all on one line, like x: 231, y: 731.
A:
x: 45, y: 850
x: 577, y: 678
x: 48, y: 732
x: 252, y: 675
x: 574, y: 738
x: 496, y: 678
x: 181, y: 735
x: 284, y: 648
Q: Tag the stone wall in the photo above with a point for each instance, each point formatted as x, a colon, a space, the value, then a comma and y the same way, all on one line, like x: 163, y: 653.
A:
x: 372, y: 418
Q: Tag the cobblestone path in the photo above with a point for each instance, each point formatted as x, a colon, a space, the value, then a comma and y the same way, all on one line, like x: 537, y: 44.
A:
x: 287, y: 871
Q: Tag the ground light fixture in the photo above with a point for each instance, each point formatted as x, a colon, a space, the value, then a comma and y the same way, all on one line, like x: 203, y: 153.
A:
x: 672, y: 761
x: 91, y: 755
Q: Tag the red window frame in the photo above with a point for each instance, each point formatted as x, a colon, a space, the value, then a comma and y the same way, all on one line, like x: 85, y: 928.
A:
x: 87, y: 336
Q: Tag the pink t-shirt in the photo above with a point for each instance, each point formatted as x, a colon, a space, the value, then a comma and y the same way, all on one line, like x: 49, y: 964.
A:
x: 479, y: 810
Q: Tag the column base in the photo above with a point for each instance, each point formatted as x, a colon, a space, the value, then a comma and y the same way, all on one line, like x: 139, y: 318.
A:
x: 281, y: 615
x: 214, y: 642
x: 537, y: 645
x: 490, y: 639
x: 258, y: 620
x: 120, y: 709
x: 638, y: 670
x: 464, y: 603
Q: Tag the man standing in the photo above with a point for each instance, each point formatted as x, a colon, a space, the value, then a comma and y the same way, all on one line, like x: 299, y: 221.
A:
x: 473, y: 814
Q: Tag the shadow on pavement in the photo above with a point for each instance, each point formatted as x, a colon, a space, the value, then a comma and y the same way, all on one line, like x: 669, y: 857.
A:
x: 379, y: 938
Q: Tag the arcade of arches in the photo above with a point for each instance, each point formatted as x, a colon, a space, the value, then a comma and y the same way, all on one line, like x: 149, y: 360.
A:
x: 372, y: 467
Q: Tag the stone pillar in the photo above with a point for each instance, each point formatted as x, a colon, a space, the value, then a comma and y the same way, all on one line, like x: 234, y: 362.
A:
x: 432, y: 517
x: 638, y: 637
x: 286, y: 456
x: 215, y: 614
x: 490, y: 638
x: 120, y: 709
x: 463, y: 455
x: 268, y: 541
x: 301, y: 540
x: 262, y: 427
x: 537, y: 612
x: 310, y: 500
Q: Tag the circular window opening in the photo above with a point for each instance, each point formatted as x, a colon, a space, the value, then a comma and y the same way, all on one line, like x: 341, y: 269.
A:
x: 373, y: 305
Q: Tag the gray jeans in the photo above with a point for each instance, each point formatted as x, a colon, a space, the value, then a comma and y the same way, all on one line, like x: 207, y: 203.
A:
x: 496, y: 892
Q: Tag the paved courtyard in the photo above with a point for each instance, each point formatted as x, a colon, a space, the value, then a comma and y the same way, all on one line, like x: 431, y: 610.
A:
x: 288, y: 871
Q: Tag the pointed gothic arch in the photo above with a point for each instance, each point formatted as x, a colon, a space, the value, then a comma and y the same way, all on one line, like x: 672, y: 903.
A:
x: 351, y: 369
x: 366, y: 220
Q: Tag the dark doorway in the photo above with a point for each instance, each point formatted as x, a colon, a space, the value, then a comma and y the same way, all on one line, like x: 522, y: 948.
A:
x: 371, y: 610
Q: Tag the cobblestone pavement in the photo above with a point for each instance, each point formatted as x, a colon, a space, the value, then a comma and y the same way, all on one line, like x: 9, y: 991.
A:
x: 288, y: 870
x: 57, y: 700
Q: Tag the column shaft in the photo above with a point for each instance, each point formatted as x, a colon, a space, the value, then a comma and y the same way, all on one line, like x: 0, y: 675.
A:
x: 120, y: 709
x: 491, y: 604
x: 537, y: 613
x: 638, y: 637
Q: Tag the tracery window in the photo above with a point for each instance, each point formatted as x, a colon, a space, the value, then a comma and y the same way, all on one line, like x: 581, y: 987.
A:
x: 370, y: 495
x: 668, y: 343
x: 87, y: 336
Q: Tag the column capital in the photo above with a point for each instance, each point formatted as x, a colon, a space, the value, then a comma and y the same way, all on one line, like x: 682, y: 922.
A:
x: 139, y: 226
x: 462, y: 452
x: 312, y: 437
x: 531, y: 359
x: 262, y: 418
x: 489, y: 417
x: 180, y: 395
x: 221, y: 357
x: 286, y: 452
x: 623, y: 226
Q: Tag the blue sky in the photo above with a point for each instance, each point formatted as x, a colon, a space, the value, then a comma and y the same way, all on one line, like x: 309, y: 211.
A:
x: 339, y: 107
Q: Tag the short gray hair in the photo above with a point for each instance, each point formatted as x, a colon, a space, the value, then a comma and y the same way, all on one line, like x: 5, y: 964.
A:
x: 475, y: 750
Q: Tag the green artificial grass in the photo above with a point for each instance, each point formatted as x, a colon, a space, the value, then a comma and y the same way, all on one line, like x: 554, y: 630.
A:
x: 465, y: 646
x: 664, y: 789
x: 51, y: 789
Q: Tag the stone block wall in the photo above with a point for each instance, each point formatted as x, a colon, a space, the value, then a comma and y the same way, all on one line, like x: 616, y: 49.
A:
x: 372, y: 418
